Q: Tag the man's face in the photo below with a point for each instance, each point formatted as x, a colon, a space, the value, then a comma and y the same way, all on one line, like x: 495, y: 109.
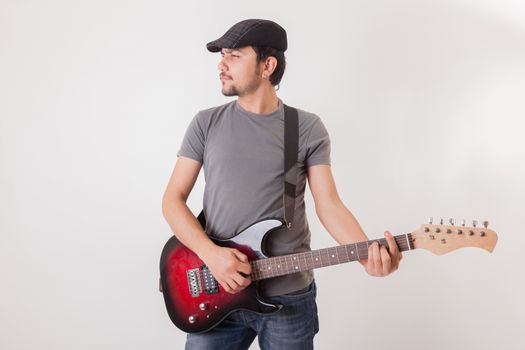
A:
x: 240, y: 73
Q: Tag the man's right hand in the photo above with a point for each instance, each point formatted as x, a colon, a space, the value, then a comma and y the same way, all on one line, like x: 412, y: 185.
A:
x: 229, y: 266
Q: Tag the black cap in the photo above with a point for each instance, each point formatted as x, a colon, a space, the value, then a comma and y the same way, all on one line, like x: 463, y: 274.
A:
x: 251, y: 32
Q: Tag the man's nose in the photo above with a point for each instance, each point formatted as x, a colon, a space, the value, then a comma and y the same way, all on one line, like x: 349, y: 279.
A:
x: 222, y: 66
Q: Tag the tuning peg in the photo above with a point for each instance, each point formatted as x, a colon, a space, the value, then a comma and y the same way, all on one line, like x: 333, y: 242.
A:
x: 452, y: 221
x: 441, y: 221
x: 463, y: 222
x: 485, y: 224
x: 430, y: 219
x: 474, y: 223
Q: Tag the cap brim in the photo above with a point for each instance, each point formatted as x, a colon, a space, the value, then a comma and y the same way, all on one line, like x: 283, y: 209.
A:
x: 218, y: 45
x: 212, y: 47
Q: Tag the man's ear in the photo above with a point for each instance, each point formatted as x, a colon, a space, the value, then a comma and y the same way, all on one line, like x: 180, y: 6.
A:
x: 269, y: 66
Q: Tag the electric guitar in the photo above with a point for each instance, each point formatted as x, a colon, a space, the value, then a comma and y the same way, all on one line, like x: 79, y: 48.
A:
x: 196, y: 302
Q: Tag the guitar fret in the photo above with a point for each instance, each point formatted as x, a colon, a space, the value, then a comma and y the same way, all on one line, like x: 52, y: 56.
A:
x: 411, y: 242
x: 345, y: 248
x: 322, y: 255
x: 261, y: 269
x: 315, y: 259
x: 292, y: 263
x: 295, y: 263
x: 340, y: 254
x: 319, y: 259
x: 288, y: 263
x: 363, y: 247
x: 347, y: 253
x: 309, y: 263
x: 327, y: 261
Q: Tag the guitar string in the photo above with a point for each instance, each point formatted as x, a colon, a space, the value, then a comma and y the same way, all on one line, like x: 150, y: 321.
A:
x: 271, y: 267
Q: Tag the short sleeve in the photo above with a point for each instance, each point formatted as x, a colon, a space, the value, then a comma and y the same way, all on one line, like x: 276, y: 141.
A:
x: 317, y: 145
x: 194, y: 140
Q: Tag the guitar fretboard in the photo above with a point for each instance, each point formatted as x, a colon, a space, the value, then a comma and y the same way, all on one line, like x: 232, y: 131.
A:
x: 292, y: 263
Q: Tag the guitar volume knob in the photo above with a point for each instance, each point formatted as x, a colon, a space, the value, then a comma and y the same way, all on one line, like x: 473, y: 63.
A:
x: 192, y: 319
x: 203, y: 306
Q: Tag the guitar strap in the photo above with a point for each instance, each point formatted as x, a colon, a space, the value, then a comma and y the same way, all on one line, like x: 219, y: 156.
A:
x: 291, y: 149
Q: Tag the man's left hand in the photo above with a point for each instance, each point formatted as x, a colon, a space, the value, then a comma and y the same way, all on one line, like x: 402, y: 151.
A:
x: 381, y: 261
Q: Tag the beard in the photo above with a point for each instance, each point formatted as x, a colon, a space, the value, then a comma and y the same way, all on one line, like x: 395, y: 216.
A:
x: 234, y: 90
x: 231, y: 91
x: 249, y: 87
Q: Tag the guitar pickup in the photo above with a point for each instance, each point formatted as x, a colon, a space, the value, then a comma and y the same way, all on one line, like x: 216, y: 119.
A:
x: 210, y: 283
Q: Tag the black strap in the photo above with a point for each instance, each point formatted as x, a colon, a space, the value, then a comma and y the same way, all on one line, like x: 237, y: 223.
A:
x: 291, y: 148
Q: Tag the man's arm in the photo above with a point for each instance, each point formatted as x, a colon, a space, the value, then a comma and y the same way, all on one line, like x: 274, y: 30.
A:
x: 226, y: 264
x: 342, y: 225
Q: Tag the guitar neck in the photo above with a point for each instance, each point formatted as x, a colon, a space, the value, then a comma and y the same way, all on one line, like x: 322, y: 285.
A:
x: 292, y: 263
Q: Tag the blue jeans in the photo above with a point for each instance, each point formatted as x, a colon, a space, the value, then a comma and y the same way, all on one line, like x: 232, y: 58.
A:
x: 291, y: 328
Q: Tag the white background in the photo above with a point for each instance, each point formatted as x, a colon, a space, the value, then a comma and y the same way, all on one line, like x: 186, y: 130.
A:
x: 424, y: 103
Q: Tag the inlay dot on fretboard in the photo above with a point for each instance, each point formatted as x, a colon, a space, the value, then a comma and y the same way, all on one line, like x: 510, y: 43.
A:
x: 297, y: 267
x: 352, y: 252
x: 333, y: 256
x: 278, y: 266
x: 316, y: 259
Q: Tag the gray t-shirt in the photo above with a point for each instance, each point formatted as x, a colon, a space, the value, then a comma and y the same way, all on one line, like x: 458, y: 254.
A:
x: 243, y: 159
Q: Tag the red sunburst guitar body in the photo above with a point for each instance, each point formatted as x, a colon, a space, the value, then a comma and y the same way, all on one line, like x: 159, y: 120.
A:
x: 194, y: 300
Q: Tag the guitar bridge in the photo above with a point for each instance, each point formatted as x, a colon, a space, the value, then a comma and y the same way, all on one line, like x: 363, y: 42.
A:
x: 194, y: 282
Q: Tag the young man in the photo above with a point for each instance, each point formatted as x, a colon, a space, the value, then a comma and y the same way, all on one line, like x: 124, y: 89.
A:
x: 240, y: 145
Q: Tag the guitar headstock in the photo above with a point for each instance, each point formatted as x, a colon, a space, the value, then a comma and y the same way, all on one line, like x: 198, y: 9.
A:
x: 441, y: 239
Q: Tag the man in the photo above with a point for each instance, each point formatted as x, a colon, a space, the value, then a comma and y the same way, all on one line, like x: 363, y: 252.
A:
x: 240, y: 145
